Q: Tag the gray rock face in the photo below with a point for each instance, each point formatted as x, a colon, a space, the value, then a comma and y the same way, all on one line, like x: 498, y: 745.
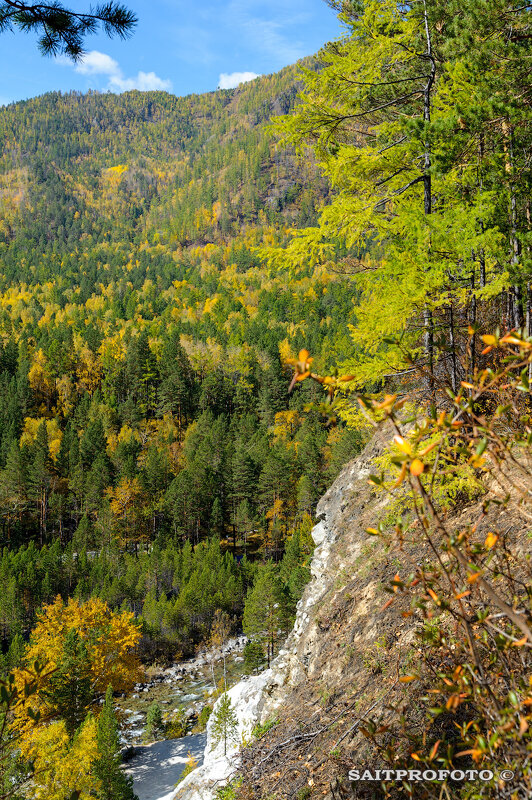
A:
x: 257, y: 699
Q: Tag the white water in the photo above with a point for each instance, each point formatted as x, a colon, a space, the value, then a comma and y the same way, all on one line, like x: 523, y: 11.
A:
x: 156, y: 768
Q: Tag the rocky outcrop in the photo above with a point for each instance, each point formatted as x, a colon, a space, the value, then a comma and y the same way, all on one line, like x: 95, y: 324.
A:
x: 259, y: 698
x: 247, y: 699
x: 341, y: 673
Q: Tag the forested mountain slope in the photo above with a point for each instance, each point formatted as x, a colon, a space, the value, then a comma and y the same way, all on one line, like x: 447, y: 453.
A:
x: 142, y: 392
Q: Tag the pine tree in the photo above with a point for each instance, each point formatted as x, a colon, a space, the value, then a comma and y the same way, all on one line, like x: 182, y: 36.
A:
x: 62, y: 30
x: 93, y: 443
x: 115, y: 784
x: 264, y: 611
x: 224, y: 726
x: 70, y: 686
x: 253, y: 656
x: 15, y: 653
x: 154, y: 721
x: 40, y: 478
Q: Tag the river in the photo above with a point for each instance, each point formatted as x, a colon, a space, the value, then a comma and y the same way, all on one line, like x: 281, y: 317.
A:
x: 183, y: 688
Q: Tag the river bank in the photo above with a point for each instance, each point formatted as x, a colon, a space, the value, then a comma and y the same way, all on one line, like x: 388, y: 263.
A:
x: 183, y: 690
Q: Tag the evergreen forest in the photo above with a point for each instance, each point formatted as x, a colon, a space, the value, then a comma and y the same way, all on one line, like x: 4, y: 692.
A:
x: 150, y: 452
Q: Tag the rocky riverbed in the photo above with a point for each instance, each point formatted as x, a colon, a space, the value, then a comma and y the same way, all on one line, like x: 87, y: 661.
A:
x: 181, y: 690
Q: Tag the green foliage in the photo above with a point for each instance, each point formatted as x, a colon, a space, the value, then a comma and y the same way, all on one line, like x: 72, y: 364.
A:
x: 154, y: 721
x: 457, y: 485
x: 229, y: 792
x: 115, y: 785
x: 260, y: 730
x: 71, y: 689
x: 143, y: 401
x: 429, y: 177
x: 203, y: 718
x: 224, y: 726
x: 62, y: 30
x: 265, y: 616
x: 254, y: 658
x: 176, y: 726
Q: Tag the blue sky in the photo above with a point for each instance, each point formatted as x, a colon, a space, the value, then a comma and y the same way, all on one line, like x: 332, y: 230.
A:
x: 178, y: 45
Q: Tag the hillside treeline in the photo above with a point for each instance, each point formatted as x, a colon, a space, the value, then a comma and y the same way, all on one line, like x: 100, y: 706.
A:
x: 144, y: 403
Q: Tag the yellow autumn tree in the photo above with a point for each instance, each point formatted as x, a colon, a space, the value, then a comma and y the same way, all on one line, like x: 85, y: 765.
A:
x: 61, y: 765
x: 53, y: 431
x: 88, y: 367
x: 110, y: 639
x: 41, y: 381
x: 63, y: 755
x: 128, y: 504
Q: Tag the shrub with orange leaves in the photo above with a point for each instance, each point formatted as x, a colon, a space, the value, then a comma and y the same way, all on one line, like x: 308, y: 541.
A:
x: 471, y: 595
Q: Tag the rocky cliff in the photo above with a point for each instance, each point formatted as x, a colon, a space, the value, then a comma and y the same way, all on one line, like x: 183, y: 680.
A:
x: 342, y: 555
x: 343, y: 661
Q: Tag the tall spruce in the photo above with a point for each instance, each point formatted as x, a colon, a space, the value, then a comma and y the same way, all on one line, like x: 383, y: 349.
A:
x: 115, y: 784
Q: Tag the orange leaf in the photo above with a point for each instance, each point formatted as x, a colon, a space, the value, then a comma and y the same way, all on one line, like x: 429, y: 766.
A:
x: 434, y: 749
x: 462, y: 594
x: 401, y: 477
x: 491, y: 540
x: 408, y: 678
x: 509, y: 339
x: 417, y: 467
x: 474, y: 578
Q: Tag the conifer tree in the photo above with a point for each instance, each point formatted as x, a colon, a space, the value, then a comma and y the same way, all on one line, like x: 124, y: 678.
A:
x: 154, y: 720
x: 264, y: 611
x: 253, y: 656
x: 40, y: 478
x: 224, y: 726
x: 115, y: 784
x: 70, y: 686
x: 63, y: 30
x: 390, y: 116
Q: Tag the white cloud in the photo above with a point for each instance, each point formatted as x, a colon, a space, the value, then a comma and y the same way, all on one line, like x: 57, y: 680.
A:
x: 231, y: 80
x: 96, y: 63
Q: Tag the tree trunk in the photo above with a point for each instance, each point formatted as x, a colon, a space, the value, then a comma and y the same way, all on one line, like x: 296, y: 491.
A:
x: 428, y: 337
x: 473, y: 319
x: 454, y: 373
x: 427, y: 197
x: 515, y: 319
